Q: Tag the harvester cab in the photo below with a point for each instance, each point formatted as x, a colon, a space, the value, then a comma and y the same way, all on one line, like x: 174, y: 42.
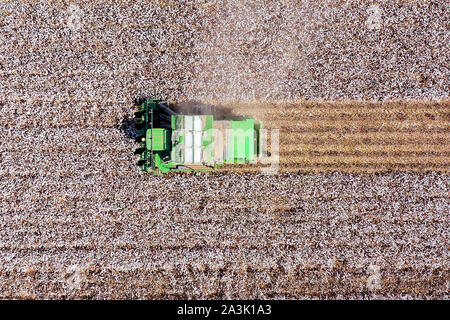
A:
x: 170, y: 141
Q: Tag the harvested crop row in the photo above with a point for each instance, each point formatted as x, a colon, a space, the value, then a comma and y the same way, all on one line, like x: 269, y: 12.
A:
x: 370, y: 140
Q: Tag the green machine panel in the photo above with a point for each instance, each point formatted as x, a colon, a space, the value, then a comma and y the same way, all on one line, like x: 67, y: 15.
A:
x: 241, y: 141
x: 160, y: 139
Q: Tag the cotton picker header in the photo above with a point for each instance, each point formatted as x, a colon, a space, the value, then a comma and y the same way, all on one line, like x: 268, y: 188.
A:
x: 170, y: 141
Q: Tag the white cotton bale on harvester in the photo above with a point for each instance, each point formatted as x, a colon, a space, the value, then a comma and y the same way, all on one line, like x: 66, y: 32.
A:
x: 197, y: 155
x: 197, y: 139
x: 188, y: 143
x: 198, y: 126
x: 188, y: 123
x: 188, y: 155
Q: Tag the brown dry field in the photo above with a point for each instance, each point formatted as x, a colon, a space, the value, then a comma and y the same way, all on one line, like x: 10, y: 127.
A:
x: 358, y: 209
x: 357, y: 137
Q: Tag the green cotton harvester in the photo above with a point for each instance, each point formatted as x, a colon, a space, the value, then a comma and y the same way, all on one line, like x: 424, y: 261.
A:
x: 192, y: 142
